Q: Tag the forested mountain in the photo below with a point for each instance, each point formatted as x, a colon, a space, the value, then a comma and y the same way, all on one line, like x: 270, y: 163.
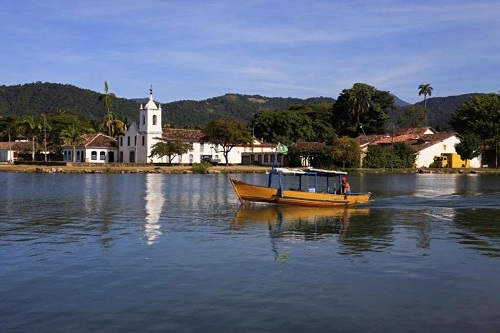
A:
x: 440, y: 109
x: 37, y: 98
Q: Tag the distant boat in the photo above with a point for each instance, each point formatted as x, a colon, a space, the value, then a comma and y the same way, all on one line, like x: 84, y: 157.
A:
x: 311, y: 198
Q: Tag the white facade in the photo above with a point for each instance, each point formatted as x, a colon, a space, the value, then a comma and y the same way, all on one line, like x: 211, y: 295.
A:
x: 425, y: 157
x: 135, y: 144
x: 95, y: 148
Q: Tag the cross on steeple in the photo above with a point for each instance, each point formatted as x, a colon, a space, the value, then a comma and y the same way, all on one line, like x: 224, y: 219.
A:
x: 151, y: 90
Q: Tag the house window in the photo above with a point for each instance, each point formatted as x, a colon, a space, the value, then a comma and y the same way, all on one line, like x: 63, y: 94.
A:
x: 190, y: 158
x: 202, y: 147
x: 265, y: 158
x: 102, y: 156
x: 128, y: 141
x: 121, y: 141
x: 154, y: 119
x: 93, y: 155
x: 135, y: 140
x: 143, y: 119
x: 191, y: 148
x: 143, y: 140
x: 180, y: 158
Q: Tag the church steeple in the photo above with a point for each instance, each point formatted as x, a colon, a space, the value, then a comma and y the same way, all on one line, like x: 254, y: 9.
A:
x: 151, y: 103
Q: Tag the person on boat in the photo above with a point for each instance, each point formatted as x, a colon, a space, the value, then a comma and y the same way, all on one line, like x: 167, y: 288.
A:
x: 346, y: 188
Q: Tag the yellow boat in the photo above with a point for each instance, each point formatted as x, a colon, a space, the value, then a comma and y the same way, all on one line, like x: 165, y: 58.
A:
x: 310, y: 198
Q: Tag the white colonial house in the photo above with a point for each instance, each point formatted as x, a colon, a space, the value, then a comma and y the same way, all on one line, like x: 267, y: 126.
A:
x: 425, y: 141
x: 135, y: 144
x: 94, y: 148
x: 9, y: 151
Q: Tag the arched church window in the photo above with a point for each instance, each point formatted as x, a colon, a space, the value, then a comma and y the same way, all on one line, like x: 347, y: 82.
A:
x: 154, y: 119
x: 143, y: 119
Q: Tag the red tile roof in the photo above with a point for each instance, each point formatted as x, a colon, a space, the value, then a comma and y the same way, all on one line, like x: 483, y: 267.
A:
x: 96, y: 140
x: 17, y: 146
x: 417, y: 142
x: 177, y: 134
x: 309, y: 144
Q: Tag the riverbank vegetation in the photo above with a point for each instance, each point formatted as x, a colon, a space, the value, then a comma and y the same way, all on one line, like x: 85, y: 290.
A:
x: 322, y: 132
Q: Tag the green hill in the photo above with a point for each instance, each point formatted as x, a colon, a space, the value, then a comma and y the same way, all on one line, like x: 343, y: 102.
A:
x: 37, y: 98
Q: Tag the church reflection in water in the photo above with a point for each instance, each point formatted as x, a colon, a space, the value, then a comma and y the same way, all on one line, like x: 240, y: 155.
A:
x: 154, y: 200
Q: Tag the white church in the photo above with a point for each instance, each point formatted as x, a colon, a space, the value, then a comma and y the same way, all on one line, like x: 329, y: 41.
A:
x: 137, y: 141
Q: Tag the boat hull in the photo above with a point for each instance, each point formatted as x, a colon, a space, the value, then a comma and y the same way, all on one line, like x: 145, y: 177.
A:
x: 254, y: 193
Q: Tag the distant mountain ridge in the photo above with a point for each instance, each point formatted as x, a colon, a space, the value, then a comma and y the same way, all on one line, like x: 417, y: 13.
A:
x: 38, y: 98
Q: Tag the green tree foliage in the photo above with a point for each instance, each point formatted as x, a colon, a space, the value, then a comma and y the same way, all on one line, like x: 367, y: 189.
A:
x: 412, y: 116
x: 346, y: 119
x: 8, y: 127
x: 320, y: 115
x: 30, y: 127
x: 112, y: 125
x: 169, y: 149
x: 359, y: 100
x: 480, y: 116
x: 227, y: 133
x: 426, y: 90
x: 397, y: 156
x: 72, y: 135
x: 282, y: 126
x: 107, y: 100
x: 469, y: 146
x: 346, y: 153
x: 317, y: 156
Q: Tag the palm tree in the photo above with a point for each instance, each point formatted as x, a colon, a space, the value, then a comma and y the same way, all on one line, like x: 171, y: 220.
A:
x: 73, y: 134
x: 359, y: 99
x: 112, y: 124
x: 425, y: 89
x: 31, y: 127
x: 107, y: 100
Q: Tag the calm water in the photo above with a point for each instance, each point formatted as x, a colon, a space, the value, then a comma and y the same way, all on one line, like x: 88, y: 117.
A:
x: 177, y: 253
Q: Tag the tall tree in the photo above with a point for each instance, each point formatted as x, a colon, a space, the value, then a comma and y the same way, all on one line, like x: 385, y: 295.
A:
x: 469, y: 146
x: 31, y: 127
x: 112, y: 124
x: 425, y: 89
x: 282, y: 126
x: 227, y: 133
x: 479, y: 116
x: 359, y: 99
x: 107, y: 100
x: 347, y: 122
x: 73, y: 134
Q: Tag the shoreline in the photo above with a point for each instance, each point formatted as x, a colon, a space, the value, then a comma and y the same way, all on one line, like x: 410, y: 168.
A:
x: 186, y: 169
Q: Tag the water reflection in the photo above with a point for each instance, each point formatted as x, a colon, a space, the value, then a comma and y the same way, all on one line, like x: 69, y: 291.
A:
x: 154, y: 199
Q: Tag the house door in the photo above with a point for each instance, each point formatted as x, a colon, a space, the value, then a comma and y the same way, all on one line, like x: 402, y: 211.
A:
x: 111, y: 157
x: 132, y: 157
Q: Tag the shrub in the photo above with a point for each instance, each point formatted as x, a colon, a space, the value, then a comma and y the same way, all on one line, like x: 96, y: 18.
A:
x: 201, y: 167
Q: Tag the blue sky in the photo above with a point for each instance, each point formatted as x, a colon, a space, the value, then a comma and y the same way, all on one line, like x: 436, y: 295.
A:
x: 193, y: 49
